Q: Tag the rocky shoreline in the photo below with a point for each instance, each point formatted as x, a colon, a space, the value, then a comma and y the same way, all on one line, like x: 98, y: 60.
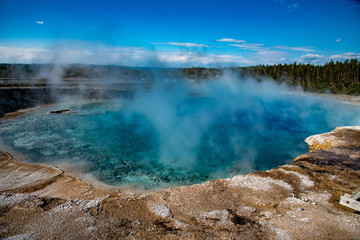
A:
x: 294, y: 201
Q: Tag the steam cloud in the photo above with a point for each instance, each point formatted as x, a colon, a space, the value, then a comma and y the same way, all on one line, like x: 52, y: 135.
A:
x: 209, y: 129
x: 224, y: 121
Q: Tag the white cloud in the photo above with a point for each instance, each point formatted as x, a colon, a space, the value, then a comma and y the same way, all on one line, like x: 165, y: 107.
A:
x: 267, y: 56
x: 311, y: 58
x: 40, y: 22
x: 249, y: 46
x: 338, y: 40
x: 136, y: 56
x: 24, y: 55
x: 230, y: 40
x: 127, y: 56
x: 295, y: 48
x: 64, y: 55
x: 344, y: 56
x: 321, y: 59
x: 198, y: 59
x: 182, y: 44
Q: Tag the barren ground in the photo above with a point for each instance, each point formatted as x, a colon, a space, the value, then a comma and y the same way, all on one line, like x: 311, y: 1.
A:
x: 295, y: 201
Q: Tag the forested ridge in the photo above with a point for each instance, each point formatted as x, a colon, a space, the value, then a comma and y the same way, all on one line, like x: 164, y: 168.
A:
x: 332, y: 77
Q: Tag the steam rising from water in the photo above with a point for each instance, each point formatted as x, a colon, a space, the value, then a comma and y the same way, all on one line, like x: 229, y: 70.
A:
x: 179, y: 133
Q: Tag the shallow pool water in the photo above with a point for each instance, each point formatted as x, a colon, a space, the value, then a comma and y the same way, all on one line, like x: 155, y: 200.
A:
x: 155, y: 142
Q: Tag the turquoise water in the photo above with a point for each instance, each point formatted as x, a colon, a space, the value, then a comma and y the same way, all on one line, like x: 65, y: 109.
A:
x: 157, y: 140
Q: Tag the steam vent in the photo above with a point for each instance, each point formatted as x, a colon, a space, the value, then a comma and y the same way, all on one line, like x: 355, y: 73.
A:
x: 299, y: 200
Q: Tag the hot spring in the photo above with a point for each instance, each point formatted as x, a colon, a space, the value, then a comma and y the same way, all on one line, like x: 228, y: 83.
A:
x: 178, y: 133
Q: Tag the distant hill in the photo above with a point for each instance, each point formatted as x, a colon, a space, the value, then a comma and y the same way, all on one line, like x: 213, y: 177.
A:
x: 333, y: 77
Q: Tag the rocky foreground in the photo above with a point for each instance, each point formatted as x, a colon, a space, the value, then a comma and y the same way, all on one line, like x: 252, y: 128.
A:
x: 295, y: 201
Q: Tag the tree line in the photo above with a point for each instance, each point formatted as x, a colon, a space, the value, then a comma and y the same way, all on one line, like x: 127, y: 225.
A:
x: 334, y: 77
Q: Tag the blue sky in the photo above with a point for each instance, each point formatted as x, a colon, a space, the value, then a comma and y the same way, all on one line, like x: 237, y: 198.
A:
x: 179, y: 33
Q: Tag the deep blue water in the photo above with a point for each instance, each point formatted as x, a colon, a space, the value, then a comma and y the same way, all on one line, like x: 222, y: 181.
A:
x: 157, y: 141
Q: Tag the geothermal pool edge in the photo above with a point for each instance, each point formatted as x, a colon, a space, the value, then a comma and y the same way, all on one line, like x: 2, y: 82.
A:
x: 281, y: 203
x: 123, y: 143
